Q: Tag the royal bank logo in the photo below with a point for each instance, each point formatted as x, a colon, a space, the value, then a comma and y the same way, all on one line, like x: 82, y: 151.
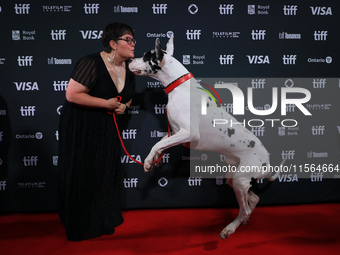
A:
x: 289, y: 131
x: 259, y: 9
x: 186, y: 60
x: 24, y: 35
x: 196, y: 59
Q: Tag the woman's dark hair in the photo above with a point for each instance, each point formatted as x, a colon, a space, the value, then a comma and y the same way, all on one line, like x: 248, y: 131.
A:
x: 113, y: 31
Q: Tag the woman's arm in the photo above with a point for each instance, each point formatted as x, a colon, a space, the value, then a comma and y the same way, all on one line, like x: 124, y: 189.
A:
x: 78, y: 94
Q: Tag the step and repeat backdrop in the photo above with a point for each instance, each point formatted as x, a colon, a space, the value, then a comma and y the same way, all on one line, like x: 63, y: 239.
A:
x: 262, y: 47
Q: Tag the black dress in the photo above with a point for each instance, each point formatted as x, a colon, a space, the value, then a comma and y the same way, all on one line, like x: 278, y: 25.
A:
x: 89, y: 179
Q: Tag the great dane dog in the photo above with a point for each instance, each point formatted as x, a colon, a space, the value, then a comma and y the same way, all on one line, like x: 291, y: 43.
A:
x: 195, y: 130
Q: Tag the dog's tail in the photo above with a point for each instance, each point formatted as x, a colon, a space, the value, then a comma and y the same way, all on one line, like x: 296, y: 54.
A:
x: 273, y: 177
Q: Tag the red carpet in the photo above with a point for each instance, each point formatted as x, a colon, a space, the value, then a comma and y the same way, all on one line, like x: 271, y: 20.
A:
x: 303, y: 229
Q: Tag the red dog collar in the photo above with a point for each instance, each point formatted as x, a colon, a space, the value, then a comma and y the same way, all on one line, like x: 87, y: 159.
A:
x: 177, y: 82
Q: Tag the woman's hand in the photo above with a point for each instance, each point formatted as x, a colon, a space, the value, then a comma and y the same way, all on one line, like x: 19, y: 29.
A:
x: 113, y: 104
x: 121, y: 109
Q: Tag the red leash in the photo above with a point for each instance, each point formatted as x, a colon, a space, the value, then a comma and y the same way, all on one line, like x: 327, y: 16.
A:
x: 121, y: 140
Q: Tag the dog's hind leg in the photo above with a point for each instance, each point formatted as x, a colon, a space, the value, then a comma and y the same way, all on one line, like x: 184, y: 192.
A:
x: 241, y: 187
x: 253, y: 199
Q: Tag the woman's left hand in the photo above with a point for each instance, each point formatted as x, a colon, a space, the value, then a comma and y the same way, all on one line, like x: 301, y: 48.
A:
x: 120, y: 110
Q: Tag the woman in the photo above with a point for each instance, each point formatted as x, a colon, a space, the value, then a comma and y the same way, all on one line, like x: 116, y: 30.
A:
x: 89, y: 150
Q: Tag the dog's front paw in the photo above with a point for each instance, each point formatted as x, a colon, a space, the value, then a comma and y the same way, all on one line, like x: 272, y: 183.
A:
x: 147, y: 166
x: 157, y: 160
x: 226, y: 232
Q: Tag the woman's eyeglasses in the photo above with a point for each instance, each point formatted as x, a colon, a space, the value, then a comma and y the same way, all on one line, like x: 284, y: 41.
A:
x: 129, y: 40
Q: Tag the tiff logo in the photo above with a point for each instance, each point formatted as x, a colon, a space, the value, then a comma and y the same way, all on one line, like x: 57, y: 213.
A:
x: 290, y: 108
x: 258, y: 83
x: 319, y: 83
x: 30, y: 160
x: 160, y: 108
x: 228, y: 107
x: 226, y: 59
x: 1, y: 135
x: 22, y: 8
x: 129, y: 133
x: 159, y: 8
x: 226, y: 9
x: 91, y: 8
x: 166, y: 157
x: 58, y: 35
x: 289, y: 153
x: 318, y: 130
x: 289, y: 59
x: 320, y: 35
x: 2, y: 185
x: 193, y: 34
x: 290, y: 10
x: 130, y: 183
x: 316, y: 177
x: 258, y: 34
x: 27, y: 111
x: 258, y: 131
x: 25, y: 60
x: 197, y: 181
x: 60, y: 85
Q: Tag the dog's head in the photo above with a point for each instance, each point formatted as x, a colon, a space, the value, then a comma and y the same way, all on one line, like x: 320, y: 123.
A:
x: 153, y: 61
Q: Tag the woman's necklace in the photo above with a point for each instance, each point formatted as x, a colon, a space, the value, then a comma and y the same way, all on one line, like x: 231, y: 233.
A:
x: 120, y: 69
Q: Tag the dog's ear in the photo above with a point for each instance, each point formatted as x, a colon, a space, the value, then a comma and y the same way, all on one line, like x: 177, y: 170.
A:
x: 158, y: 50
x: 170, y: 46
